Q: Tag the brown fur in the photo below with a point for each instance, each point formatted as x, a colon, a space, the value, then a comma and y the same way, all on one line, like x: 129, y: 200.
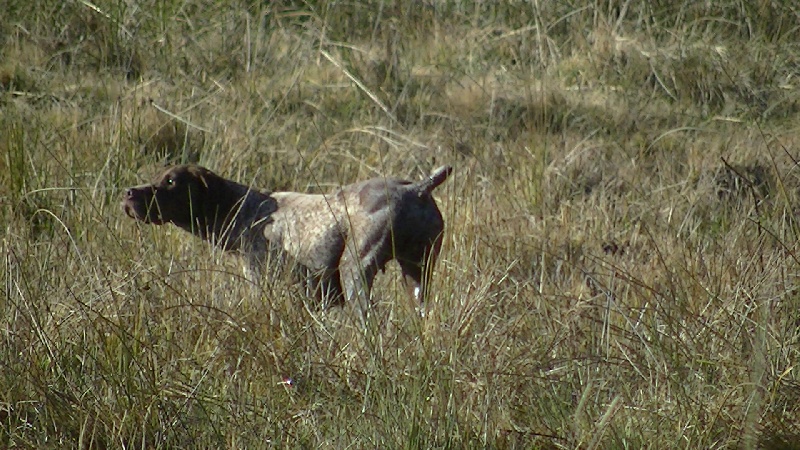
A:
x: 341, y: 239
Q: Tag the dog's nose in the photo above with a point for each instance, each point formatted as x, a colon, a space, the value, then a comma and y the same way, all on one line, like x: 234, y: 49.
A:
x: 132, y: 193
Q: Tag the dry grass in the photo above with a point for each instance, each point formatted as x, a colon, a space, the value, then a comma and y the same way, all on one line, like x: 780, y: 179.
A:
x: 620, y: 261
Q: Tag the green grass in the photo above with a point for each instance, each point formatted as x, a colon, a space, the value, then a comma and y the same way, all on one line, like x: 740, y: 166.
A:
x: 620, y: 261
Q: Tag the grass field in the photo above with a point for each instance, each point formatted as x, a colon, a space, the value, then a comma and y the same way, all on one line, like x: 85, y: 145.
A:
x: 620, y: 261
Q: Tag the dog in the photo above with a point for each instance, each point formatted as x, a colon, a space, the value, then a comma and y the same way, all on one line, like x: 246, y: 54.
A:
x: 340, y: 240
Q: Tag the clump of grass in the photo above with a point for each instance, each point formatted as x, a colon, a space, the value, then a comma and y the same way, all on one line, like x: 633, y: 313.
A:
x: 171, y: 141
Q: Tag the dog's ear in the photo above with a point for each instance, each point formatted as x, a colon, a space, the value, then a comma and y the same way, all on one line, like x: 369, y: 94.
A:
x: 203, y: 176
x: 213, y: 189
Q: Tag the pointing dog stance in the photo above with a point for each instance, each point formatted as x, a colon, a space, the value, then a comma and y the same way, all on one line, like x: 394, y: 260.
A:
x: 341, y: 239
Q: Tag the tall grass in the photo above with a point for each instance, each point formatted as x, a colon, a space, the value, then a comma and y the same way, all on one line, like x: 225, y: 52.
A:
x: 620, y: 256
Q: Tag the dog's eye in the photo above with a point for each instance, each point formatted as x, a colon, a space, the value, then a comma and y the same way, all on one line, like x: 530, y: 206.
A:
x: 170, y: 181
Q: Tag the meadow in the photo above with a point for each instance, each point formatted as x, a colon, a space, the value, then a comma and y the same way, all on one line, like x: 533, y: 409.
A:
x: 620, y: 259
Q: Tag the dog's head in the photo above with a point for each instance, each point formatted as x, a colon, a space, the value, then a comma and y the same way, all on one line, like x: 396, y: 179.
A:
x: 179, y: 195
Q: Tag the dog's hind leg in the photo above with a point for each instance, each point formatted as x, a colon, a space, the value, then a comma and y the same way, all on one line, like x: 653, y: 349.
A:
x: 357, y: 279
x: 417, y: 267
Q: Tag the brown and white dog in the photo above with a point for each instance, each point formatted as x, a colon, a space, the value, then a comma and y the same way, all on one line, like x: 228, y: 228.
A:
x: 341, y: 239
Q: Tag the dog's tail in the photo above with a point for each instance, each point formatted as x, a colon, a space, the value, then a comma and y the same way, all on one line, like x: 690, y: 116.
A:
x: 436, y: 178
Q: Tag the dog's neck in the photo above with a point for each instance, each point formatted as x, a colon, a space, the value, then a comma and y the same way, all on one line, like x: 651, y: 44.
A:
x: 228, y: 220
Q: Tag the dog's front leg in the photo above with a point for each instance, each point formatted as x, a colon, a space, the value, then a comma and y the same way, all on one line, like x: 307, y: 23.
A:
x: 256, y: 263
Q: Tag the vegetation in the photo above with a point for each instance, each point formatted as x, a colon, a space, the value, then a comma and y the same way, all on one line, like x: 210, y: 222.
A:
x: 620, y: 262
